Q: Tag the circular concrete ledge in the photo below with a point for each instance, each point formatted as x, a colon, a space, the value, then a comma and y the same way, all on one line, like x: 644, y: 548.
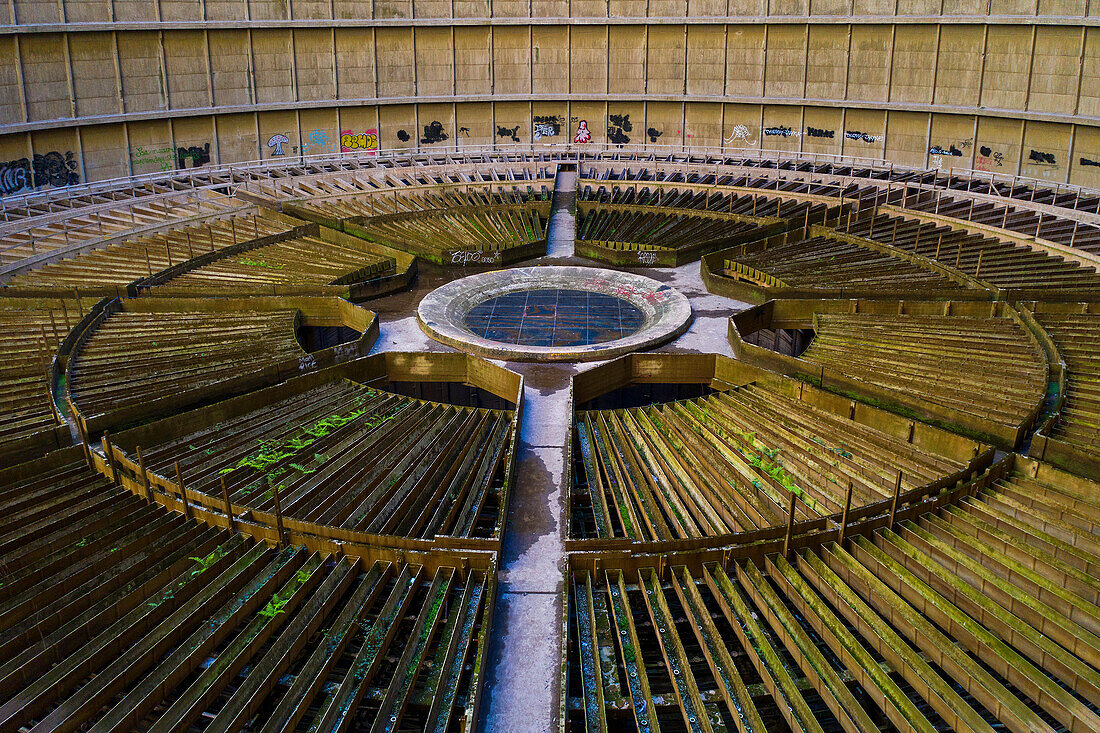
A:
x: 665, y: 311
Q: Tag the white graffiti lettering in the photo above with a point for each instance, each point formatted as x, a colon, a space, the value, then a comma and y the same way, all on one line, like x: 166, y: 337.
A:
x: 466, y: 257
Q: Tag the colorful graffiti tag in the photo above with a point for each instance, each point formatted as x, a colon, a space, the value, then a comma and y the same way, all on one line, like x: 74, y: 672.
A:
x: 354, y: 142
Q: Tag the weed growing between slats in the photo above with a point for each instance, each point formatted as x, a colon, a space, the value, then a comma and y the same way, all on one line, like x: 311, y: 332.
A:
x: 268, y: 455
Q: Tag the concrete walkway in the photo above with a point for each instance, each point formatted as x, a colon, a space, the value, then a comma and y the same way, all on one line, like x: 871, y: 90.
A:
x: 521, y: 690
x: 562, y: 228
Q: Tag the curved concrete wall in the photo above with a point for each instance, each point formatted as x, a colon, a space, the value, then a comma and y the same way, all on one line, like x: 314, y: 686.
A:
x: 106, y: 88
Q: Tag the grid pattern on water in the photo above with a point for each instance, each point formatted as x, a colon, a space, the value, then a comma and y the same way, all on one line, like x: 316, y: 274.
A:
x: 554, y: 318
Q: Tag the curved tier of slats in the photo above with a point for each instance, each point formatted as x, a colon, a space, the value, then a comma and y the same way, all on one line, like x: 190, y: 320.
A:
x: 464, y: 223
x: 828, y: 265
x: 301, y: 262
x: 734, y: 462
x: 987, y: 366
x: 134, y: 356
x: 114, y: 266
x: 981, y: 617
x: 353, y: 457
x: 30, y: 331
x: 76, y: 227
x: 500, y: 211
x: 119, y: 615
x: 1051, y: 228
x: 1077, y: 338
x: 1004, y: 265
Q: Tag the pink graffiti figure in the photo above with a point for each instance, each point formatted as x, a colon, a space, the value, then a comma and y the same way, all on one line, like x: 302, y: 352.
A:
x: 583, y: 135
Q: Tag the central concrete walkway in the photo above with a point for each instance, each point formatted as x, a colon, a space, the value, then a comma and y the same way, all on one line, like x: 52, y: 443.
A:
x: 562, y: 228
x: 521, y: 691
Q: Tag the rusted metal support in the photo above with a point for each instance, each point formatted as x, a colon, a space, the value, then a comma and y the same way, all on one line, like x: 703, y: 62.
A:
x: 144, y: 475
x: 82, y: 428
x: 183, y: 492
x: 844, y: 516
x: 790, y: 528
x: 278, y: 509
x: 228, y: 506
x: 109, y: 453
x: 894, y: 502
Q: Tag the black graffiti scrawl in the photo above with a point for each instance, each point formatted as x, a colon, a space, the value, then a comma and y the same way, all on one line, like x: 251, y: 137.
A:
x: 403, y: 136
x: 433, y: 133
x: 1037, y: 156
x: 198, y: 156
x: 509, y: 132
x: 15, y: 175
x: 617, y: 127
x: 45, y: 169
x: 653, y: 134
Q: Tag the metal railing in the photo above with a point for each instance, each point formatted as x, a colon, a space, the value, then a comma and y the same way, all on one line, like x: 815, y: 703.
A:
x: 227, y: 174
x: 187, y: 184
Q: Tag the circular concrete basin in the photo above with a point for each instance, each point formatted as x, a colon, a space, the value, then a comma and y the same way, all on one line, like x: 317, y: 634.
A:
x: 554, y: 313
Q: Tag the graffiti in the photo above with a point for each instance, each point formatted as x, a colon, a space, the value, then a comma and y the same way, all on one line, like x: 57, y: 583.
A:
x: 818, y: 132
x: 781, y: 131
x: 740, y: 133
x: 938, y: 150
x: 546, y: 126
x: 465, y: 257
x: 44, y: 169
x: 15, y: 175
x: 464, y: 131
x: 540, y: 130
x: 647, y: 258
x: 1042, y: 158
x: 509, y: 132
x: 861, y: 136
x: 988, y: 158
x: 433, y: 133
x: 353, y: 141
x: 403, y: 136
x: 1090, y: 161
x: 617, y: 127
x: 277, y: 141
x: 162, y: 158
x: 319, y: 143
x: 653, y: 134
x: 198, y: 156
x: 583, y: 135
x: 48, y: 169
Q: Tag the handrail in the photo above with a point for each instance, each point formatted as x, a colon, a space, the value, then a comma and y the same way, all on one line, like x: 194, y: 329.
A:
x: 204, y: 177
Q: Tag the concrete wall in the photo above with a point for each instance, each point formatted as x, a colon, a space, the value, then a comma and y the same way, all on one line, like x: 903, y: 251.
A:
x: 171, y: 84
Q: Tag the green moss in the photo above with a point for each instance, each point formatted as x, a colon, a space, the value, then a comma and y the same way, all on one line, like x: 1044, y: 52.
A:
x: 270, y: 454
x: 259, y: 263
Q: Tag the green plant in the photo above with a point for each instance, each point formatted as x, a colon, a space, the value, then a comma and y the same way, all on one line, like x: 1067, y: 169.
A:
x: 205, y: 563
x: 269, y: 454
x: 274, y: 606
x: 260, y: 263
